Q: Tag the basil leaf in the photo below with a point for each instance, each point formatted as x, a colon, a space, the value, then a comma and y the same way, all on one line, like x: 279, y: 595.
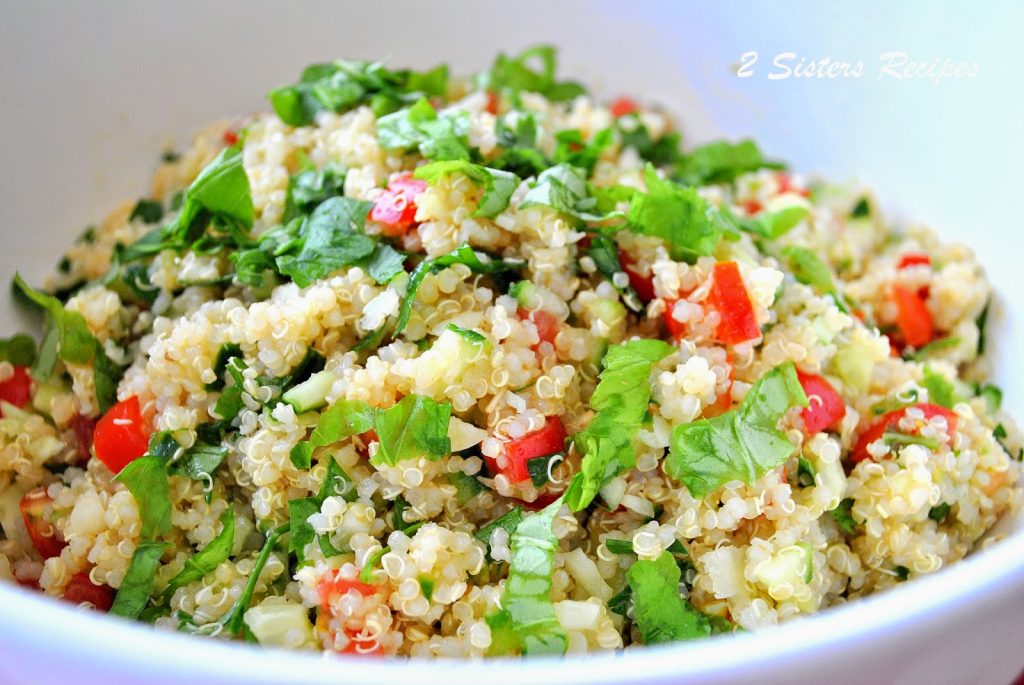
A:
x: 137, y: 584
x: 564, y: 189
x: 330, y: 239
x: 420, y: 127
x: 675, y: 214
x: 309, y: 187
x: 221, y: 188
x: 621, y: 399
x: 573, y: 149
x: 74, y: 342
x: 416, y: 426
x: 721, y: 162
x: 516, y: 74
x: 342, y: 419
x: 200, y: 461
x: 498, y: 185
x: 742, y: 444
x: 146, y: 479
x: 149, y: 211
x: 385, y: 263
x: 19, y: 350
x: 662, y: 615
x: 216, y: 552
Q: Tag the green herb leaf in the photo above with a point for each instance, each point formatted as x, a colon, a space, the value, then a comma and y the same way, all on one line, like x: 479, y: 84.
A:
x: 137, y: 584
x: 621, y: 399
x: 233, y: 619
x: 330, y: 239
x: 200, y: 461
x: 146, y: 479
x: 74, y: 341
x: 721, y: 162
x: 531, y: 70
x: 416, y: 426
x: 605, y: 253
x: 573, y: 149
x: 498, y: 185
x: 843, y: 515
x: 342, y: 419
x: 19, y: 350
x: 527, y: 597
x: 149, y: 211
x: 773, y: 225
x: 742, y: 444
x: 509, y: 521
x: 675, y: 214
x: 939, y: 512
x: 385, y: 263
x: 310, y: 187
x: 466, y: 487
x: 564, y: 189
x: 808, y: 268
x: 221, y: 188
x: 470, y: 336
x: 463, y: 254
x: 619, y: 546
x: 662, y: 615
x: 933, y: 347
x: 420, y: 127
x: 209, y: 558
x: 940, y: 389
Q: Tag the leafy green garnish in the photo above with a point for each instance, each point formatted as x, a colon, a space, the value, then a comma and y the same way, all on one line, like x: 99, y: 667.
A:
x: 721, y: 162
x: 932, y: 347
x: 470, y: 336
x: 466, y: 487
x: 19, y: 350
x: 370, y: 565
x: 416, y: 426
x: 619, y: 546
x: 146, y: 479
x: 861, y: 209
x: 605, y: 253
x: 336, y: 483
x: 526, y: 602
x: 463, y: 254
x: 420, y: 127
x: 773, y: 225
x: 662, y: 615
x: 564, y: 189
x: 663, y: 151
x: 342, y: 85
x: 229, y: 404
x: 531, y: 70
x: 342, y: 419
x: 742, y: 444
x: 806, y: 473
x: 940, y: 389
x: 309, y: 187
x: 232, y: 619
x: 675, y: 214
x: 621, y: 400
x: 843, y: 516
x: 149, y: 211
x: 498, y: 185
x: 509, y: 521
x: 222, y: 189
x: 992, y: 395
x: 982, y: 323
x: 330, y: 239
x: 137, y: 584
x: 573, y: 149
x: 893, y: 438
x: 939, y: 512
x: 385, y: 263
x: 207, y: 559
x: 809, y: 269
x: 200, y: 462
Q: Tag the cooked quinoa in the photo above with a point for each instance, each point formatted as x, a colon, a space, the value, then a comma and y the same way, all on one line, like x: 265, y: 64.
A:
x: 435, y: 366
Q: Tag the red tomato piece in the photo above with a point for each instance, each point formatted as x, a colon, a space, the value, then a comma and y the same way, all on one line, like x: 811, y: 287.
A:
x: 643, y: 285
x: 826, y: 406
x: 545, y: 441
x: 786, y: 185
x: 547, y: 325
x: 676, y: 329
x: 914, y: 259
x: 912, y: 317
x: 887, y: 421
x: 81, y: 589
x: 624, y: 106
x: 337, y: 586
x: 752, y: 207
x: 230, y: 137
x: 45, y: 537
x: 730, y: 299
x: 395, y: 209
x: 17, y: 389
x: 121, y: 435
x: 492, y: 103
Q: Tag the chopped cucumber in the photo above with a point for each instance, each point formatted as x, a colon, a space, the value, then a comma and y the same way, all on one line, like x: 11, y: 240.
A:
x: 279, y: 622
x: 526, y: 294
x: 789, y: 566
x: 854, y: 364
x: 608, y: 319
x: 310, y: 394
x: 42, y: 399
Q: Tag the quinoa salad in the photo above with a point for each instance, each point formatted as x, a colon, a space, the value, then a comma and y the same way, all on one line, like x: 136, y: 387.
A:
x: 415, y: 364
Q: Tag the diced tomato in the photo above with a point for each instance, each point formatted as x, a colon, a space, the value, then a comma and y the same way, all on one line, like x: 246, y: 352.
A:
x: 912, y: 317
x: 786, y: 185
x: 336, y: 586
x: 121, y: 435
x: 17, y: 389
x: 230, y: 137
x: 359, y: 645
x: 752, y: 207
x: 84, y: 428
x: 547, y: 325
x: 826, y: 406
x: 730, y: 299
x: 624, y: 106
x: 891, y: 419
x: 45, y: 537
x: 676, y: 329
x: 81, y: 589
x: 643, y: 285
x: 395, y: 209
x: 492, y: 103
x: 548, y: 440
x: 914, y: 259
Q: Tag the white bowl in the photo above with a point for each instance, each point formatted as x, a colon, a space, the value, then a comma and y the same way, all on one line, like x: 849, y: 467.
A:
x: 92, y: 92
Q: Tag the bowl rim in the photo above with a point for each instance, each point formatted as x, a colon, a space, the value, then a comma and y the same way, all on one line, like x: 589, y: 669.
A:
x: 968, y: 586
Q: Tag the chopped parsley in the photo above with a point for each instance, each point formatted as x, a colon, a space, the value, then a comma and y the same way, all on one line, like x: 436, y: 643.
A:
x: 676, y: 214
x: 662, y: 615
